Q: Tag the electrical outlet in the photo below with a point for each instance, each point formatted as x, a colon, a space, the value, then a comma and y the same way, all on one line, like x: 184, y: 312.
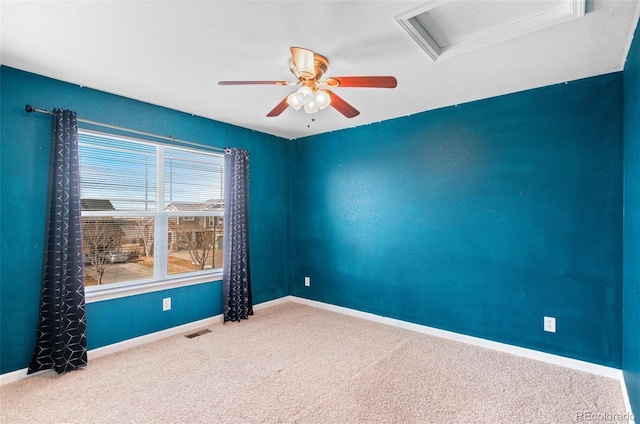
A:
x: 166, y: 304
x: 550, y: 324
x: 307, y: 281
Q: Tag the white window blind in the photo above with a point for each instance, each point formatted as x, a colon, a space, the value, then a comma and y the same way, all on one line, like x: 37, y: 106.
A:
x: 150, y: 212
x: 117, y: 173
x: 193, y: 180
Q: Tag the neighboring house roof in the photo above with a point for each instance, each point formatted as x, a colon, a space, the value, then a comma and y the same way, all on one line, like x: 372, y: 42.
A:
x: 195, y: 206
x: 97, y: 205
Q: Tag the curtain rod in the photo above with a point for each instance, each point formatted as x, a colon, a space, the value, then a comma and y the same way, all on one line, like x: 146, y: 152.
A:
x: 30, y: 109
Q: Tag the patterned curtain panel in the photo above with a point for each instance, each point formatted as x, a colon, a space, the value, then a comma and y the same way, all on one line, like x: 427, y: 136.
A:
x: 236, y: 276
x: 61, y: 342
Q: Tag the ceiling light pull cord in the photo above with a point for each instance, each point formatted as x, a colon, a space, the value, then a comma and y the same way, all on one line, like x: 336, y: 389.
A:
x: 30, y: 109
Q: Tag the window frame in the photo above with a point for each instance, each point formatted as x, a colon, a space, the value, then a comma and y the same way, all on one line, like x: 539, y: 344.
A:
x: 161, y: 279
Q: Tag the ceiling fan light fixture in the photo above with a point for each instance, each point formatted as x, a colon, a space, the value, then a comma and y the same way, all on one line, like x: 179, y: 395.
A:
x: 292, y: 100
x: 322, y: 99
x: 311, y: 107
x: 304, y: 95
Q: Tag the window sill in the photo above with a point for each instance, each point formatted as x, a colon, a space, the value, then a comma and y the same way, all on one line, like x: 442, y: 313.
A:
x: 106, y: 293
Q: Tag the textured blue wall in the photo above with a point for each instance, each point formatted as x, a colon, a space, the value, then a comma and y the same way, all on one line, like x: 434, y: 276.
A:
x: 138, y: 315
x: 479, y: 219
x: 631, y: 292
x: 24, y: 167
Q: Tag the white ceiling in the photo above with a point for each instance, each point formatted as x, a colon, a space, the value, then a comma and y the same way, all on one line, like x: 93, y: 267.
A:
x: 173, y: 53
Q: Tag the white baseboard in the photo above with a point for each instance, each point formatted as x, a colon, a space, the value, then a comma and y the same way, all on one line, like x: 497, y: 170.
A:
x: 152, y: 337
x: 627, y: 402
x: 589, y: 367
x: 476, y: 341
x: 14, y: 376
x: 11, y: 377
x: 271, y: 303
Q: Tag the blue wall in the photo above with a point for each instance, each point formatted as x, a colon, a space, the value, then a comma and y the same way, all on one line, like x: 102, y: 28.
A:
x: 631, y: 291
x: 24, y: 167
x: 135, y: 316
x: 479, y: 219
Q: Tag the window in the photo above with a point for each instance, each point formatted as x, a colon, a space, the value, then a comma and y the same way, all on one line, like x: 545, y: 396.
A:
x: 150, y: 212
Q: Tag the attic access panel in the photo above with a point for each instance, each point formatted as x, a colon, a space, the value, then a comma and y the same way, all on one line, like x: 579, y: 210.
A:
x: 445, y: 28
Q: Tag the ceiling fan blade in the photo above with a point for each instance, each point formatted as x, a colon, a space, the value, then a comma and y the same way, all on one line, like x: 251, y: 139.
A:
x: 280, y: 107
x: 341, y: 106
x: 303, y: 60
x: 373, y: 82
x: 255, y: 82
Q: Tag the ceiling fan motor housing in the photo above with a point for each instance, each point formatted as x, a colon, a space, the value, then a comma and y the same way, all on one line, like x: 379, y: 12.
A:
x: 307, y: 65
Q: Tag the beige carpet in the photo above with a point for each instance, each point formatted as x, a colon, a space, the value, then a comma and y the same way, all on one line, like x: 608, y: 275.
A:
x: 293, y: 363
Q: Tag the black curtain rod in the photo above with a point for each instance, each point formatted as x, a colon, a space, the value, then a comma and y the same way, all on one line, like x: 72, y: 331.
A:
x: 30, y: 109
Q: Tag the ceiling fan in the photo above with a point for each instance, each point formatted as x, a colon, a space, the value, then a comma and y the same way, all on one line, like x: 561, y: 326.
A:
x: 314, y: 94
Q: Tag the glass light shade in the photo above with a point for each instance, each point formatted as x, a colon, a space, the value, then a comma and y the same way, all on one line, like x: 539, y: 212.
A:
x: 322, y: 99
x: 311, y: 107
x: 292, y: 100
x: 305, y: 95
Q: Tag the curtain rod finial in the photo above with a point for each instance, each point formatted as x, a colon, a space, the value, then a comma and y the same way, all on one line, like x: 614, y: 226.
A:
x: 29, y: 108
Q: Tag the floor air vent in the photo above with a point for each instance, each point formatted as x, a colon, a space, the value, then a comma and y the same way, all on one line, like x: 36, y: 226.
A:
x: 198, y: 333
